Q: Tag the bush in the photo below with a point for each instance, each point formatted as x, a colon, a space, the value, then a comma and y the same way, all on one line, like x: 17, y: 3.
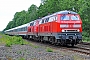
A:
x: 8, y: 45
x: 49, y: 49
x: 85, y: 36
x: 11, y: 40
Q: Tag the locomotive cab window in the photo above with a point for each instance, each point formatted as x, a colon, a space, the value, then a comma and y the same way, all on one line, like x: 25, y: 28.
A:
x: 65, y: 17
x: 74, y: 17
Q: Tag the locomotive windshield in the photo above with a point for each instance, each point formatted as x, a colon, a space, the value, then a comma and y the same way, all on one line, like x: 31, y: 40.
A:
x: 74, y: 17
x: 65, y: 17
x: 69, y: 17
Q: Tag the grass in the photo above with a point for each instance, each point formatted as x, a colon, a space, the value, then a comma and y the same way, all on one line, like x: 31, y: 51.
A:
x: 49, y: 49
x: 86, y: 40
x: 11, y: 40
x: 76, y: 57
x: 31, y: 44
x: 21, y: 58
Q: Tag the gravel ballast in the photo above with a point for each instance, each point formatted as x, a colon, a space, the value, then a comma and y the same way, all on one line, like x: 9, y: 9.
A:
x: 38, y: 51
x: 26, y: 52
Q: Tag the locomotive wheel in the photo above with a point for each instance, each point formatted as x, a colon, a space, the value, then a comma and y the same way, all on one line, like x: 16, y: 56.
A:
x: 52, y: 40
x: 72, y: 44
x: 56, y: 42
x: 62, y: 43
x: 41, y: 39
x: 38, y: 39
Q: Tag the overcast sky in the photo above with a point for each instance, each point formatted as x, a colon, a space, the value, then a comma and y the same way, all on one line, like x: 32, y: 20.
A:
x: 9, y: 7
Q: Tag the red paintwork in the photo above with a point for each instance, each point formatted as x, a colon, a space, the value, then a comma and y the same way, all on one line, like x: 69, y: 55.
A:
x: 36, y: 27
x: 48, y: 27
x: 54, y: 26
x: 31, y: 29
x: 71, y: 23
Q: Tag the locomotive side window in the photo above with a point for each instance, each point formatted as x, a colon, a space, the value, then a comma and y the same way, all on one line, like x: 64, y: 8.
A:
x: 74, y: 17
x: 34, y: 23
x: 31, y: 24
x: 40, y: 21
x: 53, y: 18
x: 65, y: 17
x: 43, y: 21
x: 47, y: 19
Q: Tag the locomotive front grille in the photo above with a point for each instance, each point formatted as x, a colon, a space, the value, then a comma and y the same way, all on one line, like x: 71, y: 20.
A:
x: 70, y: 37
x: 70, y: 30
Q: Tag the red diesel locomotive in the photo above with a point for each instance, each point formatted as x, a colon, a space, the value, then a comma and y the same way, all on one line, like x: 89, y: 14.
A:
x: 64, y: 27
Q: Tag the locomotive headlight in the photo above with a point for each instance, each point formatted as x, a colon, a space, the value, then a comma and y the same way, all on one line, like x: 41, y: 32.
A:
x: 77, y: 25
x: 63, y: 26
x: 78, y: 30
x: 63, y: 30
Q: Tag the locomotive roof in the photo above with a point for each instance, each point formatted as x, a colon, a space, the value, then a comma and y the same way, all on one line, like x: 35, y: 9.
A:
x: 66, y: 12
x: 61, y: 12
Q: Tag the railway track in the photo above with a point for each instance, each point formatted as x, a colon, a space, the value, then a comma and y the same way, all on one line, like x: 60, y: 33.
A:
x: 78, y: 48
x: 83, y: 48
x: 85, y: 43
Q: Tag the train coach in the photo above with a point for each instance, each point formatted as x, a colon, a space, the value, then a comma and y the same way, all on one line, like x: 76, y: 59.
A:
x: 64, y: 27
